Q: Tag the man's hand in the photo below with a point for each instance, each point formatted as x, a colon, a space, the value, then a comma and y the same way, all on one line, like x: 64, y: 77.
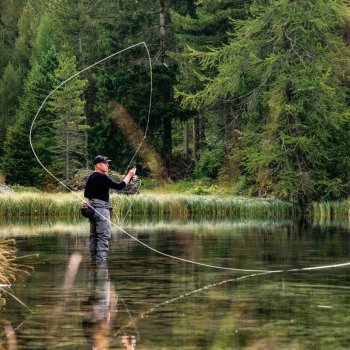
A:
x: 132, y: 172
x: 131, y: 175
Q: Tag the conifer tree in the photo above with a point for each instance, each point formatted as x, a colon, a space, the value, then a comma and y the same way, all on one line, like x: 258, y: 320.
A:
x: 19, y: 64
x: 288, y: 67
x: 72, y: 27
x: 67, y: 106
x: 10, y: 11
x: 18, y: 162
x: 207, y: 28
x: 10, y: 89
x: 126, y: 79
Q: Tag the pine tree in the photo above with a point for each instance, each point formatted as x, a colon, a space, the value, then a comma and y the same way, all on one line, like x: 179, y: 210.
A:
x: 69, y: 150
x: 10, y: 89
x: 287, y: 66
x: 19, y: 64
x: 18, y: 162
x: 198, y: 33
x: 10, y: 11
x: 126, y: 79
x: 72, y: 27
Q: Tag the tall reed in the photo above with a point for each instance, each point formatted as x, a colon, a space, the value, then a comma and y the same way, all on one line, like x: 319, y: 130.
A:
x: 38, y: 205
x: 329, y: 210
x: 185, y: 206
x: 7, y: 264
x: 155, y: 205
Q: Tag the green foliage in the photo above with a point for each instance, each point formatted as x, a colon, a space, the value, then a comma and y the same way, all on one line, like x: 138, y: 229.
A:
x: 72, y: 27
x: 205, y: 28
x: 69, y: 123
x: 10, y: 89
x: 10, y: 11
x: 18, y: 162
x: 266, y: 84
x: 149, y: 184
x: 209, y: 27
x: 18, y: 62
x: 211, y: 160
x: 146, y: 205
x: 126, y: 80
x: 20, y: 188
x: 283, y: 67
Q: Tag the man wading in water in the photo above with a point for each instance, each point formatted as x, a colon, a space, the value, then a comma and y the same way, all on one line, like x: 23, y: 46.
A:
x: 97, y: 191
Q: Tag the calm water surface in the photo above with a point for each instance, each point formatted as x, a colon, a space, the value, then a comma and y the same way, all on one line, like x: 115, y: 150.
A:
x: 141, y: 300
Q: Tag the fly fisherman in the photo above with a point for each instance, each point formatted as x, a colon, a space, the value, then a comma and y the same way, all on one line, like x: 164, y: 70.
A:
x: 97, y: 191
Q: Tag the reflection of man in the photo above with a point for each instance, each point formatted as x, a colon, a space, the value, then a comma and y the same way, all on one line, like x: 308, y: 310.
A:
x: 129, y: 342
x: 99, y: 309
x: 97, y: 191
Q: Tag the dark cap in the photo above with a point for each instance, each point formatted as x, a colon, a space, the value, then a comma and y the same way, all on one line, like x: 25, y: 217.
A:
x: 101, y: 159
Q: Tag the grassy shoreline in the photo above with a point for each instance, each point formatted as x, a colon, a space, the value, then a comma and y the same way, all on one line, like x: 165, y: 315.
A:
x: 160, y: 205
x: 329, y: 210
x: 27, y: 204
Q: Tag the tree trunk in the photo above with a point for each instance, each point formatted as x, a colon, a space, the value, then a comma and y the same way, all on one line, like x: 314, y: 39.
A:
x: 86, y: 138
x: 167, y: 127
x: 162, y: 30
x: 196, y: 137
x: 67, y: 157
x: 229, y: 127
x: 167, y: 137
x: 201, y: 128
x: 186, y: 138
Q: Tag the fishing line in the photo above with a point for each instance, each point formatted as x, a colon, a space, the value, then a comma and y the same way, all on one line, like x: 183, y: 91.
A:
x: 120, y: 228
x: 143, y: 315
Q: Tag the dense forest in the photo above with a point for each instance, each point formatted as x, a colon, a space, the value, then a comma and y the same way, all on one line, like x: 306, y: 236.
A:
x: 250, y: 94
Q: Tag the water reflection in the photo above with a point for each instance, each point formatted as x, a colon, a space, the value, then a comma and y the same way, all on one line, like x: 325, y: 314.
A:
x: 142, y: 300
x: 99, y: 311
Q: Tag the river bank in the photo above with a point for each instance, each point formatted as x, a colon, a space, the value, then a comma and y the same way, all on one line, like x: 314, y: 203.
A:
x: 159, y: 205
x: 147, y: 204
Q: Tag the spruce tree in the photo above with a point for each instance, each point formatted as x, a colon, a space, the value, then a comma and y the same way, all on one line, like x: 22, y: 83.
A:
x: 18, y: 162
x: 10, y: 11
x: 19, y: 63
x: 69, y: 125
x: 126, y: 79
x: 198, y: 33
x: 288, y: 68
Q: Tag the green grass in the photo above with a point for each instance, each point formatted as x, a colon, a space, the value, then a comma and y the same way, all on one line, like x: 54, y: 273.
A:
x: 331, y: 210
x: 38, y: 205
x: 146, y: 204
x: 179, y: 202
x: 7, y: 257
x: 199, y: 187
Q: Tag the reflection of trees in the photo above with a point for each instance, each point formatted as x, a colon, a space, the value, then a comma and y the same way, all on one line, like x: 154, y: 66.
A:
x: 276, y: 311
x: 265, y: 312
x: 283, y: 246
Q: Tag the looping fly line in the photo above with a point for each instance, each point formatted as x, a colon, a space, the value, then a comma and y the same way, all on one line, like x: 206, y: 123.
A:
x: 138, y: 148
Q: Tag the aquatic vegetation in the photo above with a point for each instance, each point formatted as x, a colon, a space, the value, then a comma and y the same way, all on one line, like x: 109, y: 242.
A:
x: 206, y: 206
x: 38, y: 205
x: 330, y: 210
x: 7, y: 265
x: 157, y: 205
x: 7, y: 270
